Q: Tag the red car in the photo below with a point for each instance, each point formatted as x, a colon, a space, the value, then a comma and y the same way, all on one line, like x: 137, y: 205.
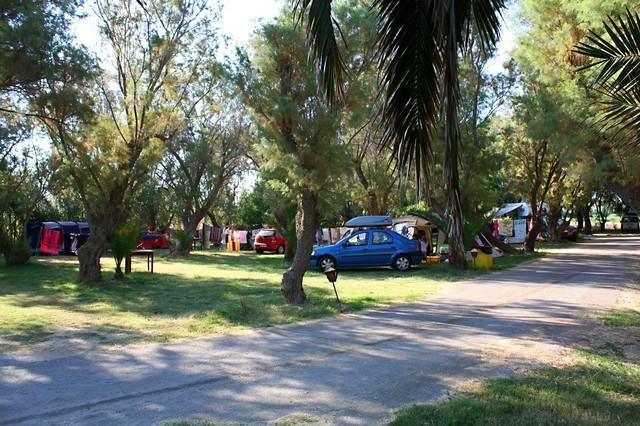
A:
x: 269, y: 240
x: 153, y: 240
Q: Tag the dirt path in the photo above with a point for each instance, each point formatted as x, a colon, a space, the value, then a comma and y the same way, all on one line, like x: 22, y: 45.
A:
x: 355, y: 369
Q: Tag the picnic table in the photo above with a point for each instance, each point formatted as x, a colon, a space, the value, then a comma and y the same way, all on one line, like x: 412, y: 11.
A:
x: 140, y: 253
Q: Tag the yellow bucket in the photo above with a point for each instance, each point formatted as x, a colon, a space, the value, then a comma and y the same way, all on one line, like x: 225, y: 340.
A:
x: 481, y: 260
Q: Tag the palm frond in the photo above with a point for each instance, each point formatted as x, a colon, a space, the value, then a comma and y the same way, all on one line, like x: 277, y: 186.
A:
x: 412, y: 37
x: 411, y: 64
x: 321, y: 30
x: 487, y: 15
x: 617, y: 53
x: 621, y: 114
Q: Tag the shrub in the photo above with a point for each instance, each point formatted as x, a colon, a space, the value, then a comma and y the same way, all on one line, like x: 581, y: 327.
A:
x: 15, y: 252
x: 121, y: 242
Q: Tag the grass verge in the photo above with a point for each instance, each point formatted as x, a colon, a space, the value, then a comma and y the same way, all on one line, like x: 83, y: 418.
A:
x: 212, y: 292
x: 599, y: 390
x: 623, y: 318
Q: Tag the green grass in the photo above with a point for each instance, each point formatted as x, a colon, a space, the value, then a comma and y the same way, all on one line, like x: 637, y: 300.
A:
x: 623, y: 318
x: 214, y: 292
x: 599, y: 390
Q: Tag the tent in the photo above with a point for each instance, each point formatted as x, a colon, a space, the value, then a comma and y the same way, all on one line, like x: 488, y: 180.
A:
x: 519, y: 210
x: 511, y: 222
x: 56, y: 238
x: 415, y: 224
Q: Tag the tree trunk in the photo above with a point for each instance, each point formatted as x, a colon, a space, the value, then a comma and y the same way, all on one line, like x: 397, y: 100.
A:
x: 374, y: 205
x: 530, y: 242
x: 89, y: 256
x: 292, y: 241
x: 189, y: 225
x: 455, y: 219
x: 119, y: 275
x: 586, y: 213
x: 306, y: 224
x: 451, y: 176
x: 497, y: 243
x: 580, y: 219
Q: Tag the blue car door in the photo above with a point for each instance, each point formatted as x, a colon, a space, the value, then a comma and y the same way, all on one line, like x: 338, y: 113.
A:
x: 382, y: 248
x: 354, y: 251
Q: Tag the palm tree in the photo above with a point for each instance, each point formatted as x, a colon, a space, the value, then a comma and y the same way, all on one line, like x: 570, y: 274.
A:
x: 617, y: 55
x: 419, y: 42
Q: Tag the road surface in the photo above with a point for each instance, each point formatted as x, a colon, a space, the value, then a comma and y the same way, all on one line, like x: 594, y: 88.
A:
x: 352, y: 369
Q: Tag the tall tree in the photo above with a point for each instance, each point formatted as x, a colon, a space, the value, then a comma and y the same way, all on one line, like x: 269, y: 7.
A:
x: 112, y: 155
x: 201, y: 160
x: 299, y: 131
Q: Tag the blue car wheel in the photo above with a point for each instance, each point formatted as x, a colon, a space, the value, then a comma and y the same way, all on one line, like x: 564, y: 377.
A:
x: 326, y: 262
x: 402, y: 262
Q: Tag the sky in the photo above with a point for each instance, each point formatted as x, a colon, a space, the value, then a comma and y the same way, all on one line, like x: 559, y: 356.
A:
x: 239, y: 19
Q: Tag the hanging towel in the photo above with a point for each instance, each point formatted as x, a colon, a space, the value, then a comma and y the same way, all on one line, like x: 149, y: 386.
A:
x: 216, y: 235
x: 240, y: 236
x: 335, y: 235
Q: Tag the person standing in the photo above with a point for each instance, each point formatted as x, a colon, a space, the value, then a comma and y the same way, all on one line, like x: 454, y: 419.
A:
x: 319, y: 237
x: 225, y: 234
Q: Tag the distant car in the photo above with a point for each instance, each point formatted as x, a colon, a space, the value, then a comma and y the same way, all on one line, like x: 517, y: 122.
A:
x: 269, y: 240
x: 370, y: 247
x: 153, y: 240
x: 630, y: 223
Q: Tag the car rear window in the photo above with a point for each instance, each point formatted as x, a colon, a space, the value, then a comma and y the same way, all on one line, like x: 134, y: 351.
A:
x: 382, y: 238
x: 267, y: 233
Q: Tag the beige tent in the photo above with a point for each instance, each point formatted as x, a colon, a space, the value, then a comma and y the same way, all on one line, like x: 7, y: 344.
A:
x: 415, y: 225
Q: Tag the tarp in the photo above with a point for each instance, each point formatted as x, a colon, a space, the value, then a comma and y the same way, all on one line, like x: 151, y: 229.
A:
x: 523, y: 210
x: 413, y: 220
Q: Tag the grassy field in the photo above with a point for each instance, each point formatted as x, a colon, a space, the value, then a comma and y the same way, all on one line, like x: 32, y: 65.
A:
x: 598, y: 390
x: 213, y: 292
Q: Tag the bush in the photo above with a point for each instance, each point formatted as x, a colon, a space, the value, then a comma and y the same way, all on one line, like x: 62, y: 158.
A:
x: 121, y: 242
x: 16, y: 252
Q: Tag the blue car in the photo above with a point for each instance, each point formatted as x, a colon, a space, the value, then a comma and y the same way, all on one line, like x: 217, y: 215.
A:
x: 370, y: 247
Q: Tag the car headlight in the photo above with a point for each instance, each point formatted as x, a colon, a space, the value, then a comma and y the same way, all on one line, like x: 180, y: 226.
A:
x: 313, y: 252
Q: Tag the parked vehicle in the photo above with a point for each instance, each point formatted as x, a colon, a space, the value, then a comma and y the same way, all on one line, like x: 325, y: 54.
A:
x: 269, y: 240
x: 370, y: 247
x: 630, y: 223
x: 153, y: 240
